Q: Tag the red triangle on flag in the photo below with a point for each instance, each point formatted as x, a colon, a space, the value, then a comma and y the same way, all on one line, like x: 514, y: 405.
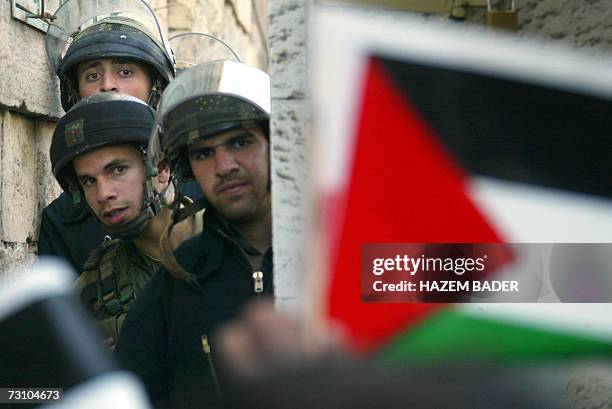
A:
x: 404, y: 187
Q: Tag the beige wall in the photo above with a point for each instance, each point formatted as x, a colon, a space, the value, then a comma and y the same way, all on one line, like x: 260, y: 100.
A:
x: 242, y: 24
x: 29, y: 107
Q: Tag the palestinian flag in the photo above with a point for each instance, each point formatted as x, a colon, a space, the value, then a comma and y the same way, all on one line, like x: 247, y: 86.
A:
x: 426, y: 134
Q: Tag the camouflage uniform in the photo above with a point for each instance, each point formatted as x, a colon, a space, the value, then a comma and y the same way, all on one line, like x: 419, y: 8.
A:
x: 114, y: 274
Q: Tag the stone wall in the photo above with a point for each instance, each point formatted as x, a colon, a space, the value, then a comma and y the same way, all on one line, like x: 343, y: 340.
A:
x: 242, y: 24
x: 287, y: 40
x: 29, y: 107
x: 584, y: 24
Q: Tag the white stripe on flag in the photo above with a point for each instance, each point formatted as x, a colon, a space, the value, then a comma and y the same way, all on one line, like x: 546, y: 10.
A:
x: 527, y: 214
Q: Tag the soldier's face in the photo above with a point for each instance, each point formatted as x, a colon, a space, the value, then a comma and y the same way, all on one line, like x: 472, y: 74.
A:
x: 112, y: 179
x: 114, y: 75
x: 233, y: 170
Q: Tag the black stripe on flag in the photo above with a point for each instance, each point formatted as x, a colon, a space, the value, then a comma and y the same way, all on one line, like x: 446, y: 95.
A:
x: 512, y: 129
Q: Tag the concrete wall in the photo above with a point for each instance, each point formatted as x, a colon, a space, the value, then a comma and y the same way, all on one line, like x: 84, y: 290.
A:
x: 287, y: 39
x: 584, y: 24
x: 29, y: 107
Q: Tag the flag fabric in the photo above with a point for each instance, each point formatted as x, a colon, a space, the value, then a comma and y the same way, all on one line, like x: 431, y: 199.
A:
x: 445, y: 147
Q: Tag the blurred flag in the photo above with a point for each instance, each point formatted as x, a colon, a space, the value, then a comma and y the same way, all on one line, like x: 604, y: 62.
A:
x: 429, y: 134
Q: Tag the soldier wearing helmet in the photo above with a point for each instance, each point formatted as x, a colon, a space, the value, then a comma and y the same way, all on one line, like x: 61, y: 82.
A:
x: 101, y: 46
x: 212, y: 125
x: 98, y: 155
x: 91, y: 43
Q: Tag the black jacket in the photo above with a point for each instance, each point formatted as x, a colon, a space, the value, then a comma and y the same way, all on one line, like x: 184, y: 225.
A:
x: 69, y: 231
x: 161, y: 339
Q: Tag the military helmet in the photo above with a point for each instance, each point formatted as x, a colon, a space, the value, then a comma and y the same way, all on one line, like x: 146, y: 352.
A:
x: 206, y: 99
x: 84, y: 30
x: 106, y: 118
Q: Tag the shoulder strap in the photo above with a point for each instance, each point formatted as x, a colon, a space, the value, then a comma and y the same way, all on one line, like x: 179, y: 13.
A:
x: 86, y: 285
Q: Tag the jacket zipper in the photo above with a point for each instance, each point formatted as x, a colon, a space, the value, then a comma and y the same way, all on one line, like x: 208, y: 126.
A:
x: 211, y: 364
x: 258, y: 283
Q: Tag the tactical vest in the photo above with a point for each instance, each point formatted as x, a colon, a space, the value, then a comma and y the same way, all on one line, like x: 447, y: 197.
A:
x: 113, y: 276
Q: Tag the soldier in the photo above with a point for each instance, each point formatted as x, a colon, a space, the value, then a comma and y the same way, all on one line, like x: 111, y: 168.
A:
x: 99, y: 47
x: 212, y: 125
x: 98, y: 156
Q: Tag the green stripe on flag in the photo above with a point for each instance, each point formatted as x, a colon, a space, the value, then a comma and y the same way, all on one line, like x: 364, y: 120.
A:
x: 453, y: 335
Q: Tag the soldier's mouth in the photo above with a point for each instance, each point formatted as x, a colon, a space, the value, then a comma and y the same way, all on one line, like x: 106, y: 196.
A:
x: 232, y: 188
x: 115, y: 216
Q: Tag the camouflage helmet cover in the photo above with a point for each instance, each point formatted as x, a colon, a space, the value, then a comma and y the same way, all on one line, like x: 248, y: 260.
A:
x: 204, y: 100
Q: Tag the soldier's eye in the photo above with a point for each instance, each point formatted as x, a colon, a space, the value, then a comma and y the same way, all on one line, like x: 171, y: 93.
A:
x: 125, y: 73
x: 87, y: 181
x: 241, y: 142
x: 203, y: 153
x: 119, y: 170
x: 93, y: 76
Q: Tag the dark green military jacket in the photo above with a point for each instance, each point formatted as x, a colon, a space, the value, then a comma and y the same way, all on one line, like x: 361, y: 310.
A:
x: 114, y: 274
x: 166, y: 337
x: 69, y: 231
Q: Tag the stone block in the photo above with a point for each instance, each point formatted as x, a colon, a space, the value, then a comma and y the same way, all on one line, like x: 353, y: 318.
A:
x: 586, y: 25
x: 179, y: 16
x: 287, y: 44
x: 288, y: 172
x: 214, y: 13
x: 251, y: 46
x: 18, y: 184
x: 13, y: 258
x: 204, y: 16
x: 49, y: 189
x: 242, y: 10
x: 26, y: 84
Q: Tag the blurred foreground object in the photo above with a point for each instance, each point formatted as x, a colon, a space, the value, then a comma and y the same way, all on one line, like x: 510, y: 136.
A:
x: 271, y: 368
x: 47, y: 342
x: 436, y: 135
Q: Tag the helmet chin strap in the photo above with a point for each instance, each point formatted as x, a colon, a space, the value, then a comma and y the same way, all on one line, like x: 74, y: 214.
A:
x: 71, y: 92
x: 132, y: 229
x: 183, y: 207
x: 155, y: 93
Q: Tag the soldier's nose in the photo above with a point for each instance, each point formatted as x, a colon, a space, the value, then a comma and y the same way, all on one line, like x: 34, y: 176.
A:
x: 109, y: 84
x: 106, y: 191
x: 225, y: 163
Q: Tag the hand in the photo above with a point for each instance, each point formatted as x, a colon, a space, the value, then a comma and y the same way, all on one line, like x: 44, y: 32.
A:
x: 109, y: 344
x: 263, y: 341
